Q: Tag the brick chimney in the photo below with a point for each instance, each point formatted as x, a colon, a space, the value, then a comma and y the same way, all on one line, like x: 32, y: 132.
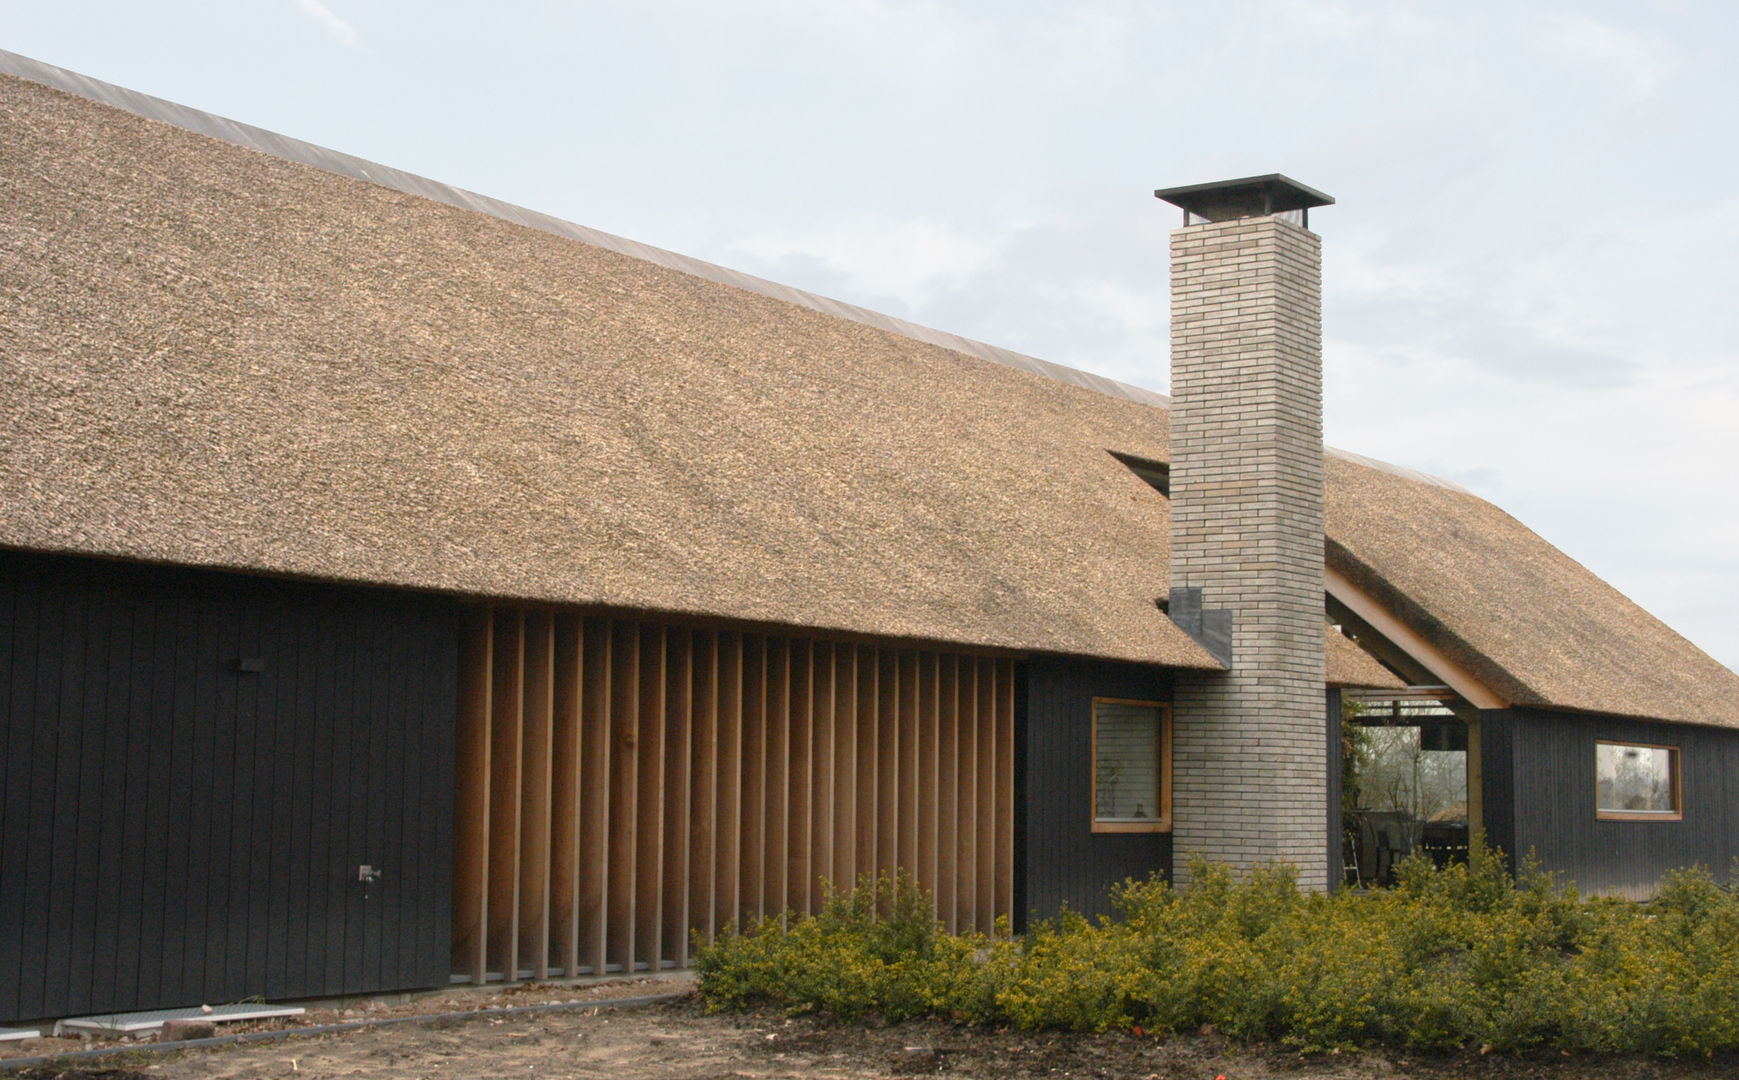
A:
x: 1249, y: 769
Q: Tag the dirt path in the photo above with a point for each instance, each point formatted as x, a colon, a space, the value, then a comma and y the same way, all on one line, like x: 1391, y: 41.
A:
x: 678, y: 1041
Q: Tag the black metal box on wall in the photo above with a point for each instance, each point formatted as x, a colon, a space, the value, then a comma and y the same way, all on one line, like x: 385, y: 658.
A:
x: 196, y: 769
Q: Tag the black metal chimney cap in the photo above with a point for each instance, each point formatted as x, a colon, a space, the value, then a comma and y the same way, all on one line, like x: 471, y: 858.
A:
x: 1251, y: 196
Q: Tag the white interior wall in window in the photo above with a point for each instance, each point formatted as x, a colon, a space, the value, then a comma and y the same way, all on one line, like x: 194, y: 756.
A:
x: 1126, y: 762
x: 1635, y: 779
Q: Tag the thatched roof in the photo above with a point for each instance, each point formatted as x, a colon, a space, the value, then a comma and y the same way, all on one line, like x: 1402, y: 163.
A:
x: 218, y: 356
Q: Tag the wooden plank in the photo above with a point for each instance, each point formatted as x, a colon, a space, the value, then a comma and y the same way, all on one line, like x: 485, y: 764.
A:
x: 649, y: 808
x: 538, y: 747
x: 505, y: 719
x: 909, y: 756
x: 471, y: 795
x: 948, y: 791
x: 801, y: 808
x: 775, y: 854
x: 596, y: 692
x: 753, y: 821
x: 966, y: 791
x: 986, y: 796
x: 728, y: 823
x: 678, y: 758
x: 624, y: 791
x: 1005, y: 788
x: 868, y: 693
x: 565, y: 764
x: 887, y: 761
x: 822, y: 667
x: 703, y: 800
x: 926, y: 784
x: 185, y: 773
x: 845, y: 778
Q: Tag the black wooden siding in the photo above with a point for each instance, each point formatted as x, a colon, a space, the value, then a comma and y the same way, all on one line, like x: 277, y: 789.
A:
x: 1539, y: 797
x: 174, y: 831
x: 1062, y: 861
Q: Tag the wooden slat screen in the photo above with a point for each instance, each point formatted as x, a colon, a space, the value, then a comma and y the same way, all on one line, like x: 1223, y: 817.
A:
x: 624, y: 784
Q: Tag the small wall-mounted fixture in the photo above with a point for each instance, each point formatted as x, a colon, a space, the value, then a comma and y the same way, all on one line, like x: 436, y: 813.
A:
x: 252, y: 665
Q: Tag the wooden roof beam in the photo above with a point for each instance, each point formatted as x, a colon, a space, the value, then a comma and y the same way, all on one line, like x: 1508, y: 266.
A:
x: 1403, y: 637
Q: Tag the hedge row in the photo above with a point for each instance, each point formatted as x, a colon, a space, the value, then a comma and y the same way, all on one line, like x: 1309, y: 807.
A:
x: 1463, y: 956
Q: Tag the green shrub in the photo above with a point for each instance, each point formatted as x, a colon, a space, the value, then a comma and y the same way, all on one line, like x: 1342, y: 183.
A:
x: 1458, y: 956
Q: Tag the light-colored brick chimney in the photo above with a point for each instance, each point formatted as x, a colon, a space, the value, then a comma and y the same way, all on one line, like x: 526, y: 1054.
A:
x: 1249, y: 755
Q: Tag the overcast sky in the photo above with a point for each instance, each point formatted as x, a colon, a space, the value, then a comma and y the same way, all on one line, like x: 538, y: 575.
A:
x: 1529, y: 278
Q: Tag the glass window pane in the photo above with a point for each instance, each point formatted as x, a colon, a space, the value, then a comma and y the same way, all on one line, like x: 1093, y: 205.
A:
x: 1635, y: 779
x: 1126, y: 783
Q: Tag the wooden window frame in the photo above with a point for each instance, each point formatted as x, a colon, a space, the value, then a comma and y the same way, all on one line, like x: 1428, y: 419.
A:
x: 1161, y: 824
x: 1674, y: 765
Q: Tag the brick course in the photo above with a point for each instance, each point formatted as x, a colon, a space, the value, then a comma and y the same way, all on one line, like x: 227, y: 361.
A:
x: 1249, y: 761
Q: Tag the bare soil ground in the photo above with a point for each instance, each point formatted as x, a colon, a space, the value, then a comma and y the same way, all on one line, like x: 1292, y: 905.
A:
x: 681, y: 1042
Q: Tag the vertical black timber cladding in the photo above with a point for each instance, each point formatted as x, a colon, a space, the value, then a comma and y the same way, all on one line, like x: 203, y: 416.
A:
x: 179, y: 828
x: 1062, y: 860
x: 1554, y: 800
x: 1336, y: 868
x: 1498, y: 780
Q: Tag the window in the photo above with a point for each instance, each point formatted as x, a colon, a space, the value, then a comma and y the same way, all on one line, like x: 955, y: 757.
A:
x: 1131, y: 766
x: 1636, y: 782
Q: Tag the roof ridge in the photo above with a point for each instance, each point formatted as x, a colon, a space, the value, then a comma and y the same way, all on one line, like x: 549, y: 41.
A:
x: 320, y: 157
x: 334, y: 161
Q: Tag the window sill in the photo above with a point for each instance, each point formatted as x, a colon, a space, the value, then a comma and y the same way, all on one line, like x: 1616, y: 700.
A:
x: 1158, y: 825
x: 1639, y: 815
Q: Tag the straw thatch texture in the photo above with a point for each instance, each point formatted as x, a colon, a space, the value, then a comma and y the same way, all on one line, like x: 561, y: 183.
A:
x: 1527, y: 620
x: 1351, y: 666
x: 210, y: 355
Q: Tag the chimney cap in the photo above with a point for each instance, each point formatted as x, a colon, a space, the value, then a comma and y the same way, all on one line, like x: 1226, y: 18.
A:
x: 1250, y: 196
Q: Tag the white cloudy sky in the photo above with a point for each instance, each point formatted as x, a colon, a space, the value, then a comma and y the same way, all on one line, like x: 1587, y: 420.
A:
x: 1530, y: 274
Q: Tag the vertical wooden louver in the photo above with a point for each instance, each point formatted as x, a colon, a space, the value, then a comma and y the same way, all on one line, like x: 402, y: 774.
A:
x: 623, y: 784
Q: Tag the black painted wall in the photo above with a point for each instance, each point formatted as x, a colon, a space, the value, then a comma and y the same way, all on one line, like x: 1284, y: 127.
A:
x: 1061, y: 859
x: 176, y: 831
x: 1539, y: 796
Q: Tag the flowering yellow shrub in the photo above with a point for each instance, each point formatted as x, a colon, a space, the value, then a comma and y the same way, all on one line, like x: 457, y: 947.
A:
x: 1460, y: 956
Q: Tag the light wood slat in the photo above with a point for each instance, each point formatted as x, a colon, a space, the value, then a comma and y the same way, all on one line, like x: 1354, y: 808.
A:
x: 986, y: 797
x: 754, y: 792
x: 730, y: 759
x: 624, y: 792
x: 966, y: 823
x: 927, y: 695
x: 649, y: 806
x: 868, y: 694
x: 506, y: 701
x: 703, y: 803
x: 594, y: 869
x: 678, y: 761
x: 622, y: 784
x: 565, y: 762
x: 948, y: 792
x: 908, y: 771
x: 821, y: 862
x: 776, y: 839
x: 538, y: 745
x: 1005, y: 788
x: 471, y: 800
x: 801, y: 689
x: 887, y: 761
x: 845, y: 867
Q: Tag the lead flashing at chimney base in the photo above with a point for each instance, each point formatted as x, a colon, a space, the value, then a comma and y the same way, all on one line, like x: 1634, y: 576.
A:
x: 1249, y: 775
